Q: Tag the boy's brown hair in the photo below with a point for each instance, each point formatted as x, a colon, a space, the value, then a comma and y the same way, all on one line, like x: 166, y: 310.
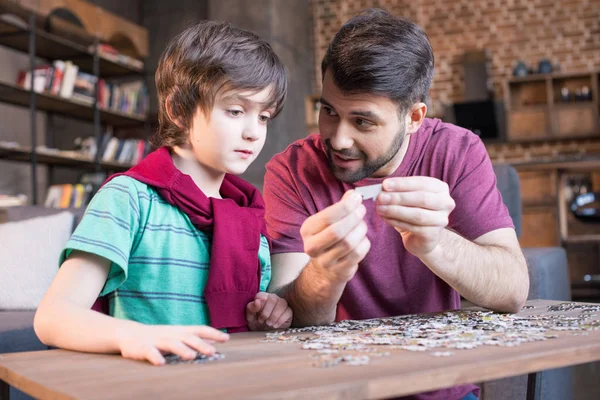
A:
x: 201, y: 61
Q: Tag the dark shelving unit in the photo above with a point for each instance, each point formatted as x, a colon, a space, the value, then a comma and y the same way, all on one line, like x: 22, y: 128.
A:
x: 28, y: 38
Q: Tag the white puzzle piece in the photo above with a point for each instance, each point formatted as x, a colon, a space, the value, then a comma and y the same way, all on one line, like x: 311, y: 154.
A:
x: 369, y: 192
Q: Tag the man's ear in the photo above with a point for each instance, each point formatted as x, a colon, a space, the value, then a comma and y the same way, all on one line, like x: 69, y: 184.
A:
x: 171, y: 111
x: 415, y: 116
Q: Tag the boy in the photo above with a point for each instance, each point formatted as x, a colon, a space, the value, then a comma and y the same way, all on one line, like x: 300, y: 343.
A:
x: 178, y: 242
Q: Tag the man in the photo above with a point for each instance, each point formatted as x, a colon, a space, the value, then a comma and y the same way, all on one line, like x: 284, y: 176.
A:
x: 439, y: 228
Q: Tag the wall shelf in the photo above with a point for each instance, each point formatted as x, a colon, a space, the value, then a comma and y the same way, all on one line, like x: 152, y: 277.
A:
x: 56, y: 159
x: 13, y: 94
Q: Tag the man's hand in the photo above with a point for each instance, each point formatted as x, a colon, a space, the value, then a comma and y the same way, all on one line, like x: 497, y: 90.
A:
x: 150, y: 342
x: 336, y: 238
x: 268, y: 311
x: 418, y: 207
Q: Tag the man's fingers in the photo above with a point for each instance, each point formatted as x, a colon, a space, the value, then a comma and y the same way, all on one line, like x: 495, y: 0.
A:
x: 350, y: 242
x: 413, y: 215
x: 329, y: 237
x: 418, y: 230
x: 357, y: 255
x: 426, y: 200
x: 332, y: 214
x: 415, y: 184
x: 207, y: 332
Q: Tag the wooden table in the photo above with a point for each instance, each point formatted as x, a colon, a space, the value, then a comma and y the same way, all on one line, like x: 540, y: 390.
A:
x: 258, y: 370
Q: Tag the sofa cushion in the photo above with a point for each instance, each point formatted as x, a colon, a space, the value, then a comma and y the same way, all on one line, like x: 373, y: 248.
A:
x: 16, y: 332
x: 29, y: 258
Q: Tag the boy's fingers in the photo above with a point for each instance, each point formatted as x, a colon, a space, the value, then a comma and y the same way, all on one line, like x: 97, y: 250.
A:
x: 256, y: 305
x: 207, y: 332
x: 251, y: 315
x: 285, y: 320
x: 198, y: 344
x: 267, y: 309
x: 177, y: 347
x: 279, y: 309
x: 154, y: 356
x: 263, y: 296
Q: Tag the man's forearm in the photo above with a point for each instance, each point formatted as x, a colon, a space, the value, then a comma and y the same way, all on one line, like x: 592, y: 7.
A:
x: 490, y: 276
x: 312, y: 297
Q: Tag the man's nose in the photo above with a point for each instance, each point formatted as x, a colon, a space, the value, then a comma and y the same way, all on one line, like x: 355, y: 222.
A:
x: 341, y: 138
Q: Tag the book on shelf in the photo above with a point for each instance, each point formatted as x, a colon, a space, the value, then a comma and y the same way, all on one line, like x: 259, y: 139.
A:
x: 64, y: 79
x: 7, y: 200
x: 68, y: 195
x: 113, y: 149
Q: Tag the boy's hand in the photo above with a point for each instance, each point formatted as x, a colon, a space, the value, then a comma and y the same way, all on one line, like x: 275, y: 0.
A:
x: 150, y: 342
x: 268, y: 311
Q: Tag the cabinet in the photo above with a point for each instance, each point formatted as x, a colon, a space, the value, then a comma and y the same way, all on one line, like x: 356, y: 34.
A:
x: 548, y: 106
x: 547, y: 191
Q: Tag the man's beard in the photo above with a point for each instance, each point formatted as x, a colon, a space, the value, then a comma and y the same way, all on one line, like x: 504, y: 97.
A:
x: 369, y: 167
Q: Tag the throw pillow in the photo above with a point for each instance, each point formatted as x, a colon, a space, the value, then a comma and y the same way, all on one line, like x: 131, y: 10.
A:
x: 29, y: 252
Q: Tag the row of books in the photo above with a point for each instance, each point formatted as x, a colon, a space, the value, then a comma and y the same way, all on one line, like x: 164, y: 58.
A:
x: 68, y: 195
x: 124, y: 151
x: 64, y: 79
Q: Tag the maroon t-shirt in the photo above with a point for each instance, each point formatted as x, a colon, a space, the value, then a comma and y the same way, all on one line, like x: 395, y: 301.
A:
x: 390, y: 281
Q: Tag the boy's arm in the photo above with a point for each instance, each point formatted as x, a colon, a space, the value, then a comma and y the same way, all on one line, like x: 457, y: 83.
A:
x: 64, y: 319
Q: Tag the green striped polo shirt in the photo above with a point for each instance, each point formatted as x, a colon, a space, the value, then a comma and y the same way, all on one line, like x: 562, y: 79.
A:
x: 159, y: 260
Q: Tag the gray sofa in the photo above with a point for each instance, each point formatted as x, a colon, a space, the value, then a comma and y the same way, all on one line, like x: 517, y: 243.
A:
x: 547, y: 271
x: 16, y: 327
x: 548, y: 276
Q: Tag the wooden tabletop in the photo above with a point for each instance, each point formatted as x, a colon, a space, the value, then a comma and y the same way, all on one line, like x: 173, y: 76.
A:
x: 254, y: 369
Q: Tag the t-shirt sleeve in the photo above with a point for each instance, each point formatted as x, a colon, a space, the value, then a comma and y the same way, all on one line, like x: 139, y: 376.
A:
x: 108, y: 229
x: 479, y: 206
x: 285, y: 210
x: 264, y: 256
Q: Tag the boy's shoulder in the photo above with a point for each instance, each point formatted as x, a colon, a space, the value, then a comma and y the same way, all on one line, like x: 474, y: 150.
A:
x: 129, y: 184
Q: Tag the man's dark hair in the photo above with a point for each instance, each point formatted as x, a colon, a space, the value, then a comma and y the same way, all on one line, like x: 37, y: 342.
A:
x: 377, y: 53
x: 205, y: 59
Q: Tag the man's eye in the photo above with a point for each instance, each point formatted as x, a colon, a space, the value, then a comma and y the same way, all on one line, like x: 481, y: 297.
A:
x: 363, y: 123
x: 329, y: 111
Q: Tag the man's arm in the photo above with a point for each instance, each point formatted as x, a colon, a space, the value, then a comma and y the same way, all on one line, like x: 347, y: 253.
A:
x: 491, y: 271
x: 312, y: 296
x: 335, y: 242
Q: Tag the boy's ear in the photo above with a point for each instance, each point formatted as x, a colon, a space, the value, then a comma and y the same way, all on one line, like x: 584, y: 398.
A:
x: 171, y: 112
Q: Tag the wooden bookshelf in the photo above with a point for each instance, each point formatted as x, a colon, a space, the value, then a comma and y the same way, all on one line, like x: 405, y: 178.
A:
x: 53, y: 47
x: 23, y: 154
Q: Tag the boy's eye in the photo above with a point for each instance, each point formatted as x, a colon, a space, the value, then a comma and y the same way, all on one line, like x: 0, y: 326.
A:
x: 264, y: 118
x: 235, y: 113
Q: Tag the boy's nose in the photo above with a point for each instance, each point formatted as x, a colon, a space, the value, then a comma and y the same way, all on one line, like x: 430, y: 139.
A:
x: 252, y: 132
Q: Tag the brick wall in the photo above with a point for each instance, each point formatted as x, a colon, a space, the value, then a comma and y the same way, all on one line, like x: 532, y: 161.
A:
x: 567, y: 32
